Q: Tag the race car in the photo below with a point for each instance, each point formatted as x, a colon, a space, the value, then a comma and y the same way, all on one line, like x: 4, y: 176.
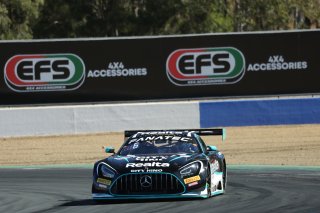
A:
x: 161, y: 164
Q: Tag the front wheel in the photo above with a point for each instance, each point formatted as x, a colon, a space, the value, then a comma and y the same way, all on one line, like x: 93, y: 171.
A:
x: 224, y: 176
x: 208, y: 184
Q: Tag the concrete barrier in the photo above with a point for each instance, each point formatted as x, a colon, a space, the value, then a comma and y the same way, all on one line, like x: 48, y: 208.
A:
x: 61, y: 120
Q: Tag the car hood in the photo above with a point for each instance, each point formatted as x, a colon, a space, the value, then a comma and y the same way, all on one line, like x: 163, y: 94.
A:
x: 150, y: 163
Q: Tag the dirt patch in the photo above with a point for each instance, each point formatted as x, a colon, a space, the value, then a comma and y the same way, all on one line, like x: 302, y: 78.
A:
x: 265, y: 145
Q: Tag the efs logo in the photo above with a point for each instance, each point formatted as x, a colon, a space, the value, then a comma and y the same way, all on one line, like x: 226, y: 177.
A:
x: 46, y: 72
x: 205, y: 66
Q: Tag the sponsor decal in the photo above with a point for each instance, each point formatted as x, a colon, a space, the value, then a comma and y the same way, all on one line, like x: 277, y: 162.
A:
x: 191, y: 179
x: 278, y: 63
x: 117, y: 69
x: 156, y: 133
x: 164, y: 138
x: 151, y: 158
x: 44, y: 72
x: 104, y: 181
x: 146, y: 170
x: 102, y: 186
x: 214, y: 166
x: 135, y: 145
x: 153, y: 164
x: 193, y: 184
x: 205, y: 66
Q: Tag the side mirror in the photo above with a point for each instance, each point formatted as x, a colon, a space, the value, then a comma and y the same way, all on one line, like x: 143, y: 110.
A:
x: 212, y: 148
x: 109, y: 150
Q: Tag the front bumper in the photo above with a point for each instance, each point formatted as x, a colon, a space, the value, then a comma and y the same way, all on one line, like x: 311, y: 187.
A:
x: 102, y: 196
x: 163, y: 185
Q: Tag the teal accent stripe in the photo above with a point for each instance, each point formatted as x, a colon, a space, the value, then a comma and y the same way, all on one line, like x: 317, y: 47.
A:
x: 122, y: 158
x: 224, y: 134
x: 218, y: 173
x: 148, y: 197
x: 218, y: 192
x: 175, y: 158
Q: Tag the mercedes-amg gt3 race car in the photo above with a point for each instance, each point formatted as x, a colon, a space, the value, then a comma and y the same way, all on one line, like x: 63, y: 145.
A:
x: 161, y: 164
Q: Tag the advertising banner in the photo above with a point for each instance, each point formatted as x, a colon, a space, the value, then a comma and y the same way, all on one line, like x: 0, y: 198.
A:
x: 165, y: 67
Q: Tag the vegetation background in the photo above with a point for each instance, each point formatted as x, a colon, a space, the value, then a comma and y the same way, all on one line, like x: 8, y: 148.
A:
x: 34, y: 19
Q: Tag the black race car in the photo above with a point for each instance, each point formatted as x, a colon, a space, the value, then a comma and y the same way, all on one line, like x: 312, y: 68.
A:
x: 161, y: 164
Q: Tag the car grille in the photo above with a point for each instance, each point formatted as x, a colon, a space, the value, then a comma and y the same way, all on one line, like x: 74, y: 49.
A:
x: 135, y: 184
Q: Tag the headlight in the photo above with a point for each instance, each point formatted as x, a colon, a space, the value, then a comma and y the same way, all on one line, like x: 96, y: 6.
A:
x: 107, y: 172
x: 190, y: 169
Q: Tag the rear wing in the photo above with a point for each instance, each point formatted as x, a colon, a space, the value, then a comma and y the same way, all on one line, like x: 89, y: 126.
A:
x: 201, y: 132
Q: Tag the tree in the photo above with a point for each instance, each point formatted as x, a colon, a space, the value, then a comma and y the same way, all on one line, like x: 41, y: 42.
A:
x: 154, y: 17
x: 197, y: 16
x: 305, y: 13
x: 260, y: 15
x: 25, y: 19
x: 274, y: 14
x: 17, y: 18
x: 109, y: 18
x: 61, y: 19
x: 100, y: 18
x: 82, y: 18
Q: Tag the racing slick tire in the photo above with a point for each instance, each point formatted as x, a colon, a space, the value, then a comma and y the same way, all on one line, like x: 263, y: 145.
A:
x: 224, y: 176
x: 209, y: 184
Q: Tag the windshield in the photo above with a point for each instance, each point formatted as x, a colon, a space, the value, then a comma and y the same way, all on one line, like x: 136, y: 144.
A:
x: 165, y: 144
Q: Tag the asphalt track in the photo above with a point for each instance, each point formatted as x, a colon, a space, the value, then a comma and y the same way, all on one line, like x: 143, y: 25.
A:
x: 248, y: 190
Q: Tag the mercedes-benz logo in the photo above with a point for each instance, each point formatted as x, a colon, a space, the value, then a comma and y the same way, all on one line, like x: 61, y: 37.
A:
x: 146, y: 181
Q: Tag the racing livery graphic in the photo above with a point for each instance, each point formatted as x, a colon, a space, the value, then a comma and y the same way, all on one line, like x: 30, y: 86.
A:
x: 44, y: 72
x: 205, y: 66
x: 161, y: 164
